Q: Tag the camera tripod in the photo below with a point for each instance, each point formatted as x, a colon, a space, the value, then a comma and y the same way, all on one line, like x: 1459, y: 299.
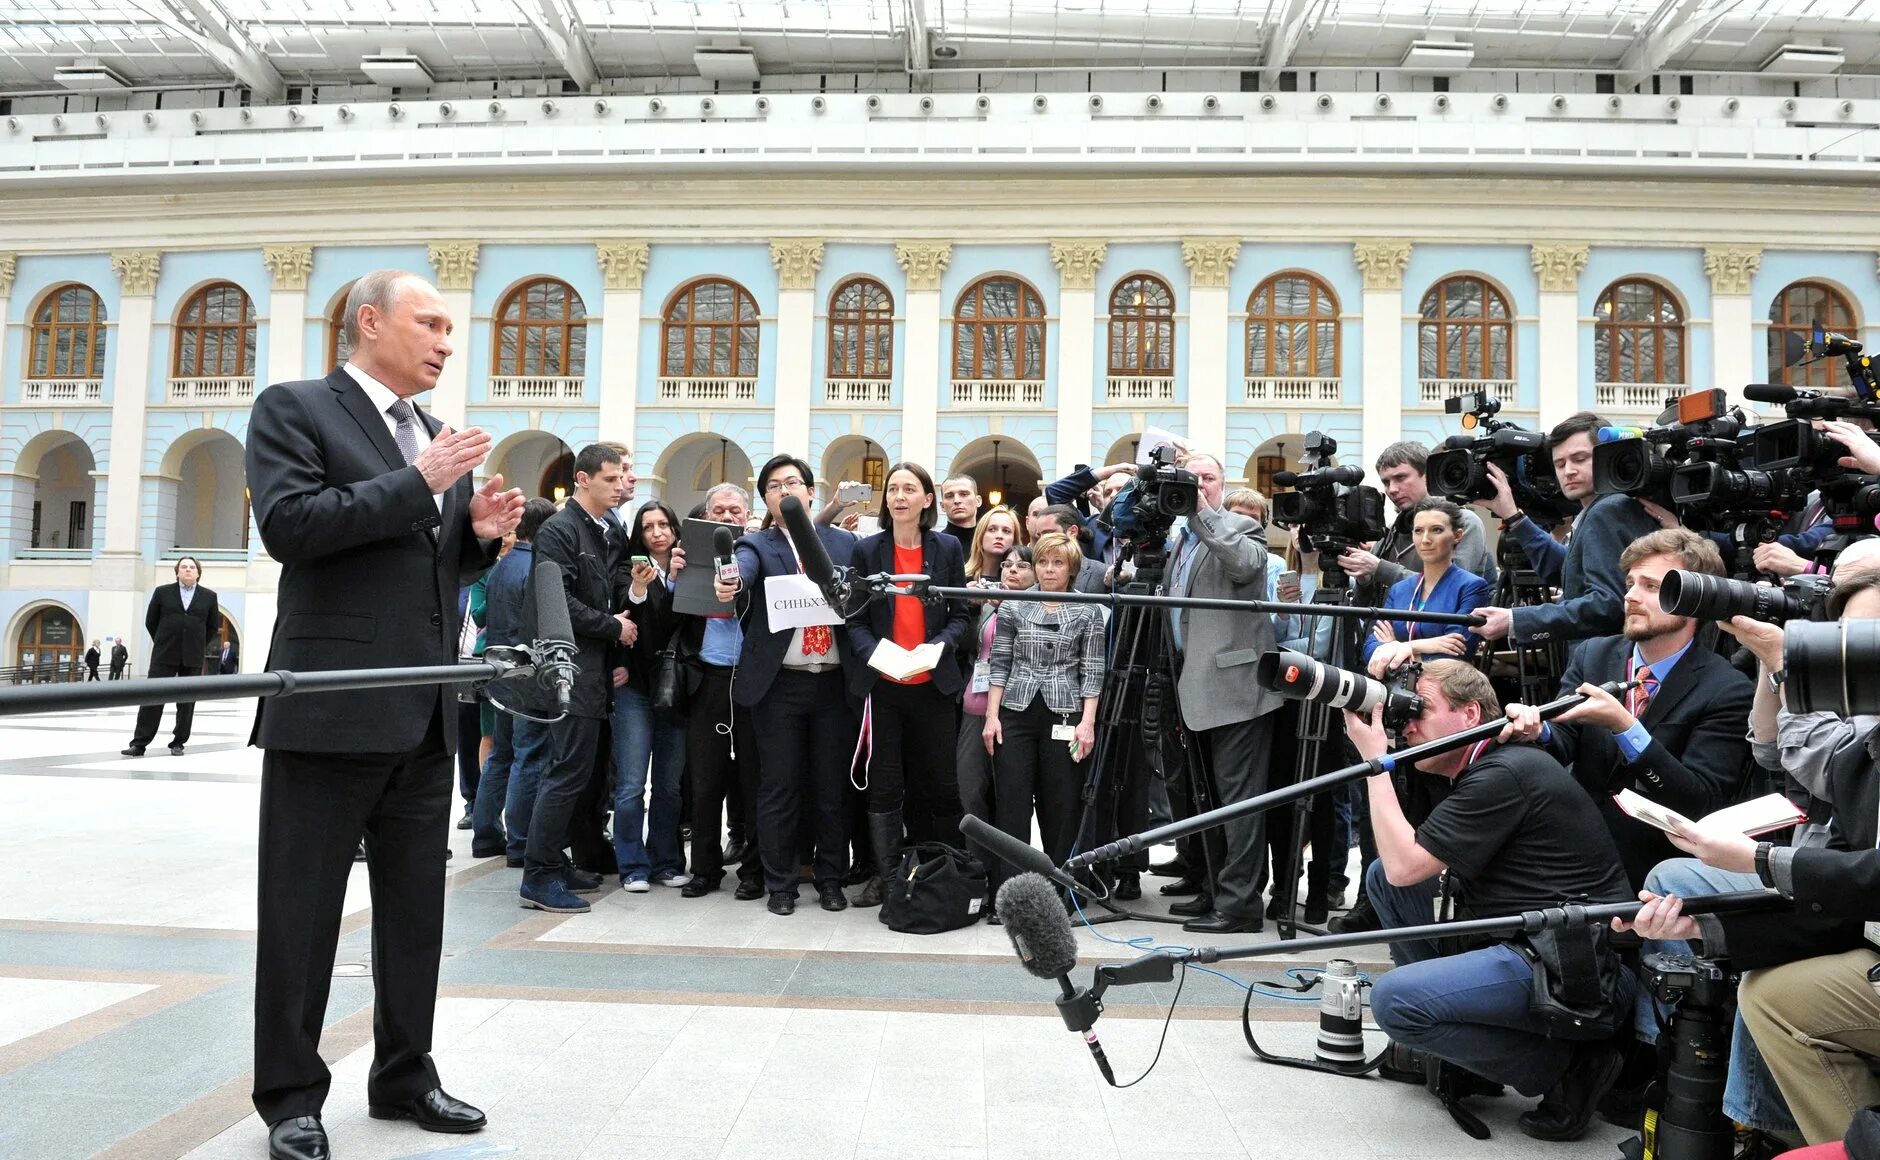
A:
x: 1537, y: 667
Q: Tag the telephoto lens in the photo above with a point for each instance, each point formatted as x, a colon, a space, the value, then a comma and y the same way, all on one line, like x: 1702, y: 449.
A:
x: 1710, y: 597
x: 1831, y: 667
x: 1299, y: 677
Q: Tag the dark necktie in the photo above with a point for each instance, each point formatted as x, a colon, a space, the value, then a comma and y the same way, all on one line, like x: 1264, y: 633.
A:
x: 407, y: 432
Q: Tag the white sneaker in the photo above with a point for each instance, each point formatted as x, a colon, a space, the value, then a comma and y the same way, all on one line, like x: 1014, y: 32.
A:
x: 635, y: 886
x: 673, y: 878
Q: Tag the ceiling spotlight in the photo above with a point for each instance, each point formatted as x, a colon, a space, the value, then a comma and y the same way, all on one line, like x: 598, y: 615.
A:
x: 1154, y: 102
x: 1615, y: 102
x: 1096, y: 102
x: 294, y: 115
x: 1210, y: 103
x: 195, y: 118
x: 104, y: 122
x: 982, y: 103
x: 600, y: 108
x: 763, y: 104
x: 1500, y: 103
x: 944, y: 51
x: 1268, y: 103
x: 150, y: 120
x: 819, y: 104
x: 1442, y: 102
x: 1673, y: 104
x: 1324, y: 102
x: 58, y: 122
x: 1383, y: 102
x: 248, y: 115
x: 655, y: 106
x: 394, y: 110
x: 1788, y: 107
x: 496, y: 109
x: 872, y: 104
x: 446, y: 109
x: 549, y: 108
x: 345, y: 113
x: 1558, y: 103
x: 1845, y: 108
x: 1730, y: 106
x: 926, y: 104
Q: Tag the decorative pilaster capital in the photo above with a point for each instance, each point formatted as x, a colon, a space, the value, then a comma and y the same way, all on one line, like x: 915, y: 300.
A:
x: 455, y: 263
x: 8, y: 263
x: 623, y: 264
x: 290, y: 265
x: 1558, y: 265
x: 137, y: 270
x: 1077, y: 262
x: 1382, y: 262
x: 1210, y: 260
x: 924, y: 262
x: 797, y: 260
x: 1731, y: 267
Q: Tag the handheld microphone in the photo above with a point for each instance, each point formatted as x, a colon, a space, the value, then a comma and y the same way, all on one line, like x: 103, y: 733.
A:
x: 809, y: 548
x: 724, y: 544
x: 1770, y: 393
x: 1041, y: 934
x: 554, y: 633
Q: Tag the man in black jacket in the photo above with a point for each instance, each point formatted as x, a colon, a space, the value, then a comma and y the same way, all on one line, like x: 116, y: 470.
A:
x: 1678, y: 739
x: 120, y: 658
x: 585, y: 545
x: 179, y: 619
x: 367, y: 504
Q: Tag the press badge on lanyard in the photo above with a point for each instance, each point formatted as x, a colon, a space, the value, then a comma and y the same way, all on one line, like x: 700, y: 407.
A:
x: 982, y: 677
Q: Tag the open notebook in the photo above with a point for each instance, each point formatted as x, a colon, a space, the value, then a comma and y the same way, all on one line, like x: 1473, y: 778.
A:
x: 1771, y: 812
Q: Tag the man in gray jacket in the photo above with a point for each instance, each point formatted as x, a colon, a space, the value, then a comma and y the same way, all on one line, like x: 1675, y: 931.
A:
x: 1222, y: 555
x: 1400, y: 473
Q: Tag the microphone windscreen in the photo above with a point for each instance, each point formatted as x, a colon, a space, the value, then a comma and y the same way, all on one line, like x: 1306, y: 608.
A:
x: 809, y: 546
x: 1769, y: 393
x: 551, y: 605
x: 1007, y: 849
x: 723, y: 542
x: 1035, y: 921
x: 1285, y: 478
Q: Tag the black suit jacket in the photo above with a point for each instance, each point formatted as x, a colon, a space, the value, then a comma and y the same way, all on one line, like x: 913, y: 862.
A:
x: 948, y: 621
x: 764, y: 554
x: 369, y: 569
x: 178, y: 635
x: 1699, y: 753
x: 587, y: 557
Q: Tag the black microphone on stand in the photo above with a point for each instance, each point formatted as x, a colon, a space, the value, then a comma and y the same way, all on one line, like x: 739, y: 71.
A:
x: 1041, y: 934
x: 554, y: 634
x: 1770, y: 393
x: 817, y: 565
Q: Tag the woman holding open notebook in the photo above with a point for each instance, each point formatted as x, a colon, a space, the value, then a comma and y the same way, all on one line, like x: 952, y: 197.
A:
x: 911, y: 717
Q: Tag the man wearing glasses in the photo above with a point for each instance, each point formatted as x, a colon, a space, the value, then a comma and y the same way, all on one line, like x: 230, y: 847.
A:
x: 791, y: 680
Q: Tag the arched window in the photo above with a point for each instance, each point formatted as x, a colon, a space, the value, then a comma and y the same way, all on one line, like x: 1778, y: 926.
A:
x: 1792, y: 320
x: 861, y: 331
x: 541, y: 331
x: 1638, y: 335
x: 998, y: 331
x: 68, y: 335
x: 1142, y: 327
x: 710, y: 330
x: 215, y: 334
x: 338, y: 350
x: 1292, y: 329
x: 1467, y: 332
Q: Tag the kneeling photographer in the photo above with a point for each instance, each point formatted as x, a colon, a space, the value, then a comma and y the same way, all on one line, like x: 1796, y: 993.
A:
x: 1515, y: 833
x: 1809, y: 999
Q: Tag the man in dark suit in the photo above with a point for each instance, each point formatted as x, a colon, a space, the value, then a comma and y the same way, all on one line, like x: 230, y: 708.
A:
x: 1678, y: 739
x: 120, y: 658
x: 92, y: 656
x: 585, y: 544
x: 230, y: 659
x: 179, y: 620
x: 368, y: 506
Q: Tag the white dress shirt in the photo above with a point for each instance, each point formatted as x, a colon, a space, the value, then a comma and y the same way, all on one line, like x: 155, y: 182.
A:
x: 382, y: 398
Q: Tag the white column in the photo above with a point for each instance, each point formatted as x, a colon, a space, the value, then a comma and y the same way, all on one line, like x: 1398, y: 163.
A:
x: 287, y: 311
x: 920, y: 387
x: 1077, y: 263
x: 1732, y: 318
x: 1559, y: 267
x: 8, y: 263
x: 797, y: 260
x: 116, y: 574
x: 623, y: 265
x: 456, y: 266
x: 1210, y: 261
x: 1382, y: 263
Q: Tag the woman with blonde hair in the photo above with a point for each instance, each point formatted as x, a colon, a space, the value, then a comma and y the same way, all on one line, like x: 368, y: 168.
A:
x: 998, y: 530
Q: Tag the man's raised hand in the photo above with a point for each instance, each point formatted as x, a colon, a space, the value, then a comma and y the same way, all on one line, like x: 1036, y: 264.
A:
x: 450, y: 456
x: 494, y: 513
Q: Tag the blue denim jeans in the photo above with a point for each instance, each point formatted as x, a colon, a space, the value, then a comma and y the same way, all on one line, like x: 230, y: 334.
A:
x: 532, y: 746
x: 1750, y: 1096
x: 644, y: 735
x: 492, y: 800
x: 1470, y: 1009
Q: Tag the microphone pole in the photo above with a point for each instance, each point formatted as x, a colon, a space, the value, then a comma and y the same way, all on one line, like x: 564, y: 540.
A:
x: 1272, y: 607
x: 1259, y: 803
x: 276, y: 683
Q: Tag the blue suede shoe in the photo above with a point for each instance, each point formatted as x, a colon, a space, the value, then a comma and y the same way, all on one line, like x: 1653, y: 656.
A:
x: 554, y: 898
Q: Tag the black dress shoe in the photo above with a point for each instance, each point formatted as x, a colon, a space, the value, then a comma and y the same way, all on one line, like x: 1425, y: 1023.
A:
x: 434, y: 1111
x: 1358, y: 919
x: 1179, y: 887
x: 513, y: 863
x: 478, y: 852
x: 132, y: 751
x: 580, y: 881
x: 1218, y: 923
x: 464, y: 822
x: 1195, y: 907
x: 1128, y: 887
x: 300, y: 1138
x: 748, y: 890
x: 781, y: 902
x: 1316, y: 910
x: 698, y: 888
x: 1173, y: 868
x: 176, y: 751
x: 1565, y: 1112
x: 830, y: 895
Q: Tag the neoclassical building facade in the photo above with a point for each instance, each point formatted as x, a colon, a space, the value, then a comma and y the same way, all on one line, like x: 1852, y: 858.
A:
x: 1009, y: 327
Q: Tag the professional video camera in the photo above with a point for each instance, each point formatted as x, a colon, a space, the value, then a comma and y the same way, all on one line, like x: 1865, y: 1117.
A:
x: 1697, y: 433
x: 1298, y: 677
x: 1142, y: 513
x: 1328, y: 508
x: 1459, y: 472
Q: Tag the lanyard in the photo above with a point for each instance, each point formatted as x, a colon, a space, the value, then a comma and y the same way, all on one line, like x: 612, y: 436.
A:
x: 1416, y: 605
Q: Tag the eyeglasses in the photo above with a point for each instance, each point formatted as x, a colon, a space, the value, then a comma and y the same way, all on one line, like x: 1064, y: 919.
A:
x: 790, y: 484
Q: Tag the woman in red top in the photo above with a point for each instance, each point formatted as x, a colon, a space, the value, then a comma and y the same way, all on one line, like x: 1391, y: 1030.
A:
x: 909, y: 745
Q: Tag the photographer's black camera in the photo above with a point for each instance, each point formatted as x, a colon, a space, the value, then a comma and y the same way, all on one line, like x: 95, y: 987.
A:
x: 1298, y: 677
x: 1459, y: 472
x: 1328, y: 508
x: 1688, y: 979
x: 1159, y: 494
x: 1707, y: 597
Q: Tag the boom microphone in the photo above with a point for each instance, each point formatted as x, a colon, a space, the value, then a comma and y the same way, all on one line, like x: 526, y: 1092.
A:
x: 1041, y: 934
x: 1770, y: 393
x: 809, y: 548
x: 1014, y: 853
x: 554, y: 633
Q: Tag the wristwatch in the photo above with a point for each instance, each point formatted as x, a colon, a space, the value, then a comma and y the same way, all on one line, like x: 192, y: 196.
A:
x: 1762, y: 863
x: 1775, y: 681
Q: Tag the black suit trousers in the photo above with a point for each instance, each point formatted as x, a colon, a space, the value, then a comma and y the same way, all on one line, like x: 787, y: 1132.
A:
x: 149, y: 717
x: 808, y: 740
x: 713, y: 732
x: 314, y: 809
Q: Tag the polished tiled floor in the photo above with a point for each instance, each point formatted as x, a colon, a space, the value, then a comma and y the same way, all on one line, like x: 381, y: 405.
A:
x: 654, y: 1026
